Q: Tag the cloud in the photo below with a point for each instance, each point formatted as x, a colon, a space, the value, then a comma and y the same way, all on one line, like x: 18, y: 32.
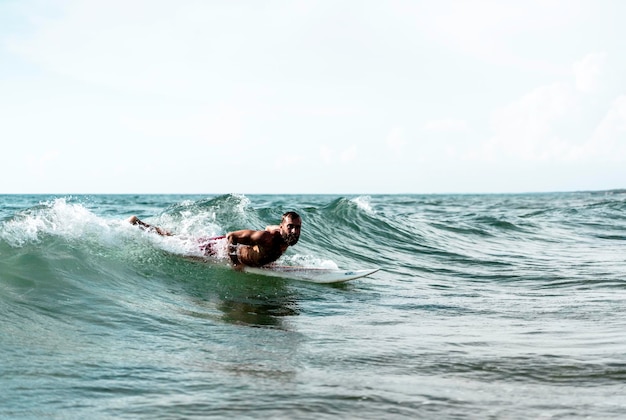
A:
x: 208, y: 126
x: 588, y: 72
x: 396, y: 140
x: 180, y: 49
x: 523, y: 130
x: 40, y: 164
x: 491, y: 29
x: 608, y: 141
x: 536, y: 128
x: 328, y: 154
x: 202, y: 49
x: 290, y: 161
x: 447, y: 125
x: 349, y: 154
x: 323, y: 111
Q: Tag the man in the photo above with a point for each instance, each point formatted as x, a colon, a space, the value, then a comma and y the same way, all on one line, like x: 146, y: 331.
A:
x: 253, y: 248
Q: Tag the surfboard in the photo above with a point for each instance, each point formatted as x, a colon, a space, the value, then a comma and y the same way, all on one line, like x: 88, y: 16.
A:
x: 310, y: 274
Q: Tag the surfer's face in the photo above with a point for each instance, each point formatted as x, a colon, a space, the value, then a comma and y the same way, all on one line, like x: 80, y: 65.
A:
x: 290, y: 230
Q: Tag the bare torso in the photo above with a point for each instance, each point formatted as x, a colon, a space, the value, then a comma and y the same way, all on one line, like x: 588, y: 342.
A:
x: 261, y: 254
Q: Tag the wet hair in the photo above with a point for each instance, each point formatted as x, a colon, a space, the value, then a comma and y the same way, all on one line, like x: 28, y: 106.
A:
x: 292, y: 215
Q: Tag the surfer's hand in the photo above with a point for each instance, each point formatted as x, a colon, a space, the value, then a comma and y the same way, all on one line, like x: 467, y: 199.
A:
x: 234, y: 257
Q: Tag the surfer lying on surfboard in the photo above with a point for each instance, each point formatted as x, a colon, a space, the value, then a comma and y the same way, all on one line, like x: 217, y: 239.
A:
x: 253, y: 248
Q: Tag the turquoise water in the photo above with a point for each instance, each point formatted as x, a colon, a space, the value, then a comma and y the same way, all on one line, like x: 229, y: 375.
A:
x: 501, y: 306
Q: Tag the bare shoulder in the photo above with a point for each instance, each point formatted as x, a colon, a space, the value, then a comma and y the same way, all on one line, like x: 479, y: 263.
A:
x: 251, y: 237
x: 272, y: 228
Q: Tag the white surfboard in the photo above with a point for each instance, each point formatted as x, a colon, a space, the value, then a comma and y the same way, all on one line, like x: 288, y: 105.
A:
x: 310, y: 274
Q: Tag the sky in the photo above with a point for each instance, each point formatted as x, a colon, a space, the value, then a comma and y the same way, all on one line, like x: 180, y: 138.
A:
x: 312, y: 97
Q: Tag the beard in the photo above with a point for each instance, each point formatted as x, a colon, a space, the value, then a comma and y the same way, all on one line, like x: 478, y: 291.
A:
x: 291, y: 239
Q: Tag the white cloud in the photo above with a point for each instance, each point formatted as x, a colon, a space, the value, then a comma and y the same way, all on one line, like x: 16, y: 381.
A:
x: 41, y: 164
x: 208, y: 126
x: 588, y: 72
x: 608, y: 141
x: 447, y: 125
x: 83, y: 44
x: 326, y: 154
x: 349, y: 154
x: 180, y: 49
x: 532, y: 130
x: 290, y: 161
x: 41, y: 160
x: 396, y: 140
x: 329, y: 155
x: 491, y: 29
x: 523, y: 130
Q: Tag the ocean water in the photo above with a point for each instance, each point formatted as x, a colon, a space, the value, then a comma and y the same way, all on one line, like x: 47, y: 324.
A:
x: 486, y: 306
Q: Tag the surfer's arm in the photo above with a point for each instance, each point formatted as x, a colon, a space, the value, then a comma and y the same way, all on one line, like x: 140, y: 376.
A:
x: 133, y: 220
x: 245, y: 237
x: 235, y: 238
x: 248, y: 237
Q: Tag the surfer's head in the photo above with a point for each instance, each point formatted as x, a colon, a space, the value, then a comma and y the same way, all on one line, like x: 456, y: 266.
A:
x: 290, y: 227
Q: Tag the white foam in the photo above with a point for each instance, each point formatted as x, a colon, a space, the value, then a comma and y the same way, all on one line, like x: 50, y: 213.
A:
x: 364, y: 202
x: 62, y: 218
x: 308, y: 261
x: 56, y: 217
x: 243, y: 203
